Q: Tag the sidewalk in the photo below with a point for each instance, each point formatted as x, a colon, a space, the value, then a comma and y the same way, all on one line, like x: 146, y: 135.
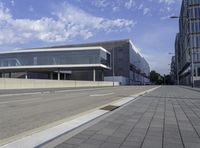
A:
x: 169, y: 117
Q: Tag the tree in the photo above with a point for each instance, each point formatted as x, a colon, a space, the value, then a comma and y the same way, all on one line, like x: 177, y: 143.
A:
x: 156, y: 78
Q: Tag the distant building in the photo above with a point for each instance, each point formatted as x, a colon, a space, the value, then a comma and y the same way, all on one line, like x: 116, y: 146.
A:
x: 173, y: 70
x: 116, y: 60
x: 188, y: 42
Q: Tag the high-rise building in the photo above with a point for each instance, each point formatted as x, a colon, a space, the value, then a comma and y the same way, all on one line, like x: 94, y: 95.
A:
x: 187, y: 45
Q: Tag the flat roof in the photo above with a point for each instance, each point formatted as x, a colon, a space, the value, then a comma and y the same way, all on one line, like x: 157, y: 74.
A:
x: 57, y: 49
x: 53, y: 67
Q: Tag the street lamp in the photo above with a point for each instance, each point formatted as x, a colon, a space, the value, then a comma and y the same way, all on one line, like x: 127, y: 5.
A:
x: 177, y: 76
x: 192, y: 62
x: 113, y: 66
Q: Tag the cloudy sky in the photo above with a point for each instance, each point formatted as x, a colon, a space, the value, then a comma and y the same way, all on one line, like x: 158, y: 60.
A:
x: 36, y: 23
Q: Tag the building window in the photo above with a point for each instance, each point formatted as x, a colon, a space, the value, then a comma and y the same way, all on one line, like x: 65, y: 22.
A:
x: 198, y: 71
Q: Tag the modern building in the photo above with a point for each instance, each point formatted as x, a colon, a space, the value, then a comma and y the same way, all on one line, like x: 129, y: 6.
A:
x: 116, y: 60
x: 187, y: 44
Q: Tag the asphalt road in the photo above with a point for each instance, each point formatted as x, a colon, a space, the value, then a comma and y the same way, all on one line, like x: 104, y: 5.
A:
x: 25, y: 110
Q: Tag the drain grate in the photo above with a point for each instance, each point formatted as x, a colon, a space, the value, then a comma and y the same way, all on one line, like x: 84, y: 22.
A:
x: 110, y: 107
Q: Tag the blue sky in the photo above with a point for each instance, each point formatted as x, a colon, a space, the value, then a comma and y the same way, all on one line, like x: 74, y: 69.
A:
x: 37, y: 23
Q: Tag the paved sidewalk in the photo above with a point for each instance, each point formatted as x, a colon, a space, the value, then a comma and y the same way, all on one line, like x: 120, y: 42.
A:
x: 169, y: 117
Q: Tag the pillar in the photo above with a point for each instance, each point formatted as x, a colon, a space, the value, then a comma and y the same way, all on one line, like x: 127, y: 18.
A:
x: 102, y: 75
x: 94, y: 75
x: 51, y: 75
x: 196, y: 71
x: 58, y: 74
x: 9, y: 74
x: 26, y: 75
x: 65, y: 76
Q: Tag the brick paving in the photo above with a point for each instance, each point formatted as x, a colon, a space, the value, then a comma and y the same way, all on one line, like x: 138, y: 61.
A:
x: 168, y: 117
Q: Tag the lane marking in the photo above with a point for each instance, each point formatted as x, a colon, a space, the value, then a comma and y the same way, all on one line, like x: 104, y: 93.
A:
x: 44, y: 92
x: 100, y: 95
x: 24, y: 100
x: 20, y: 94
x: 35, y: 99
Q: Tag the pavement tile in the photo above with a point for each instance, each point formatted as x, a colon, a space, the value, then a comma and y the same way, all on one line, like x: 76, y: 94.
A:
x: 65, y: 145
x: 99, y: 137
x: 113, y: 139
x: 109, y: 145
x: 86, y: 145
x: 152, y: 144
x: 172, y: 145
x: 192, y: 145
x: 127, y: 127
x: 74, y: 141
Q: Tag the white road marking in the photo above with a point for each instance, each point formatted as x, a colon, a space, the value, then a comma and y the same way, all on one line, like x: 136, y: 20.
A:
x: 100, y: 95
x: 19, y: 94
x: 24, y: 100
x: 75, y: 90
x: 45, y: 92
x: 33, y: 100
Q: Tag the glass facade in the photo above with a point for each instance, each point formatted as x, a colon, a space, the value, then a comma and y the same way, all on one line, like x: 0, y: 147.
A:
x: 188, y: 41
x: 64, y: 57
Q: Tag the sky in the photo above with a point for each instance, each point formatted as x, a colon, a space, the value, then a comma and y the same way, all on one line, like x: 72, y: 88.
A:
x: 39, y: 23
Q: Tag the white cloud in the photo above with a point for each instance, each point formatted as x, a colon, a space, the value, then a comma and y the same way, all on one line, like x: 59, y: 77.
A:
x: 140, y: 6
x: 31, y: 9
x: 68, y: 22
x: 146, y: 11
x: 12, y: 3
x: 168, y: 2
x: 101, y: 3
x: 129, y: 4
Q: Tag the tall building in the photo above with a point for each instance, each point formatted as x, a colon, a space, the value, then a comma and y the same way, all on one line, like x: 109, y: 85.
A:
x: 187, y: 44
x: 117, y: 60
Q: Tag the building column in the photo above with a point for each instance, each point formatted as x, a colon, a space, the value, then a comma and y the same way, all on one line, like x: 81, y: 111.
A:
x: 196, y: 71
x: 65, y: 76
x: 58, y: 74
x: 51, y: 75
x: 9, y: 75
x: 26, y: 75
x: 102, y: 75
x: 94, y: 75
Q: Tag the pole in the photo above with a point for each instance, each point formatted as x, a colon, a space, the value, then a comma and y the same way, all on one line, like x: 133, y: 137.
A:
x: 113, y: 67
x: 94, y: 75
x: 177, y: 66
x: 58, y: 74
x: 26, y: 75
x: 191, y: 54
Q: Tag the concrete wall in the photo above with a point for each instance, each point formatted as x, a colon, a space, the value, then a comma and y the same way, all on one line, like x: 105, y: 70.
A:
x: 6, y: 83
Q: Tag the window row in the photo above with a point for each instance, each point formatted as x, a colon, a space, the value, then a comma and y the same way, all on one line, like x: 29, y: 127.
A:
x: 194, y: 41
x: 195, y: 27
x: 55, y: 58
x: 194, y: 12
x: 193, y: 2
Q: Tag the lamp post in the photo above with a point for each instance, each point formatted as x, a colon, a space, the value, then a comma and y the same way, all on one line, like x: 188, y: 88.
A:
x: 113, y: 66
x: 191, y: 48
